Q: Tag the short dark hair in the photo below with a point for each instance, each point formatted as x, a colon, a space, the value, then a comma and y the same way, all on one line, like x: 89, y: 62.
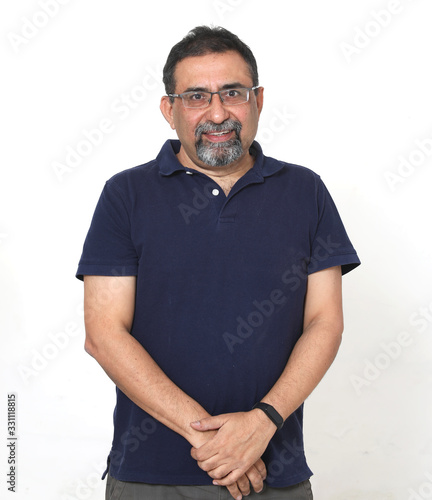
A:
x: 204, y: 40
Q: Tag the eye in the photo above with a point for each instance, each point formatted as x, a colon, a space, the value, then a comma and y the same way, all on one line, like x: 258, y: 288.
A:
x: 232, y: 93
x: 196, y: 96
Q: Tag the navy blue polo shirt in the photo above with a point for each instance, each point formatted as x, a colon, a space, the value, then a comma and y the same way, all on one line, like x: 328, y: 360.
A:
x: 221, y: 283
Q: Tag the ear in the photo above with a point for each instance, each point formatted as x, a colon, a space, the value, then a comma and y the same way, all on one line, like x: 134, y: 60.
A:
x: 166, y: 107
x: 260, y: 100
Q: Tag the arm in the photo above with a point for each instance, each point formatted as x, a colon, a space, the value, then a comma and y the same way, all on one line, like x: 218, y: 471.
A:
x: 316, y: 349
x: 245, y: 436
x: 108, y: 311
x: 109, y: 305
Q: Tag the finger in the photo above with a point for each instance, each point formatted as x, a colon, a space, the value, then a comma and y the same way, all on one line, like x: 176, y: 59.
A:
x: 234, y: 491
x: 218, y: 472
x: 208, y: 423
x: 243, y: 485
x: 255, y: 478
x: 232, y: 477
x: 260, y: 465
x: 205, y: 452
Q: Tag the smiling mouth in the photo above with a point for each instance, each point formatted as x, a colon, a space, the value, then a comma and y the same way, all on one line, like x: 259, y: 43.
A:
x: 218, y: 136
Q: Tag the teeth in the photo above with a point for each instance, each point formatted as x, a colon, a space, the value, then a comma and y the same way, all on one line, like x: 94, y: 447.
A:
x: 219, y: 133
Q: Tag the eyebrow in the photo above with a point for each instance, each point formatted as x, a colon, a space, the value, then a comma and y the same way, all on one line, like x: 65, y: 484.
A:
x: 234, y: 85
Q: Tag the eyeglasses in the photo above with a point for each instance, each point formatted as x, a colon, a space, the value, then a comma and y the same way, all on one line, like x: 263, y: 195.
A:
x: 200, y: 99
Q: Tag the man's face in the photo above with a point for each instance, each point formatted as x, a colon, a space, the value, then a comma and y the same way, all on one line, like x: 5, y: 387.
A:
x: 218, y: 135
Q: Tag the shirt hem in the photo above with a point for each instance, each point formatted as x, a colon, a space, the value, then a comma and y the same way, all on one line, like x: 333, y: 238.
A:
x: 204, y: 481
x: 348, y: 262
x: 106, y: 270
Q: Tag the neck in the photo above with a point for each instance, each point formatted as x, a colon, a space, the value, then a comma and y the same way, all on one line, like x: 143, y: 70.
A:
x: 225, y: 176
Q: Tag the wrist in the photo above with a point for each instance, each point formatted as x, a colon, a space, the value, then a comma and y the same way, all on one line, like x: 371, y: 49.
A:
x: 270, y: 413
x: 263, y: 424
x: 197, y: 438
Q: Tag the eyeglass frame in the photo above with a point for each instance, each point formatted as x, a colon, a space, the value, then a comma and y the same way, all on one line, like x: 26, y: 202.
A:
x: 249, y: 89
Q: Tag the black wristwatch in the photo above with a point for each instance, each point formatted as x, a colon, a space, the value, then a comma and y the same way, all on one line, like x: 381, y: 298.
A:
x: 272, y: 414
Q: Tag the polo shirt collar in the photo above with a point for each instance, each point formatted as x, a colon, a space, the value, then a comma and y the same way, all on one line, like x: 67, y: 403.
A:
x: 167, y: 159
x: 169, y: 164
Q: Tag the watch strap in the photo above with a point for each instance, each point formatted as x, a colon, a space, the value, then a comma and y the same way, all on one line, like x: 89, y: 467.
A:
x: 271, y: 413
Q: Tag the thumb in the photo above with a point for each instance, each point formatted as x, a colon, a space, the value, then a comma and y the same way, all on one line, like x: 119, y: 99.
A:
x: 208, y: 423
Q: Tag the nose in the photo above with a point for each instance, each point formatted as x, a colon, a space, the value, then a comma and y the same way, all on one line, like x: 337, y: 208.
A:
x: 216, y: 111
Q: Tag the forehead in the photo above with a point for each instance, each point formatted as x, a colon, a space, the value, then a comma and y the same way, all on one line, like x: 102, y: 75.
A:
x: 212, y: 71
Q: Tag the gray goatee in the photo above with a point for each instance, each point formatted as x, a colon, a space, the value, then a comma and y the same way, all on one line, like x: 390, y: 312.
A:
x: 219, y: 154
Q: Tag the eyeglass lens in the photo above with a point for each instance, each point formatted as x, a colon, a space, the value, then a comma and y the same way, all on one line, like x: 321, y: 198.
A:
x: 202, y: 99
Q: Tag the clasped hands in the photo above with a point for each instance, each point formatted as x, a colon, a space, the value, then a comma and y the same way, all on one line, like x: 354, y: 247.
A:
x: 231, y: 454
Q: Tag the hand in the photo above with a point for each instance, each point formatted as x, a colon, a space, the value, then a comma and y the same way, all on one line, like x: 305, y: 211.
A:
x: 254, y: 476
x: 240, y: 441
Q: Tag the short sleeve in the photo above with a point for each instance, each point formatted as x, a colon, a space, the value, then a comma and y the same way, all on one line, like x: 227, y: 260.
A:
x: 331, y: 245
x: 108, y: 248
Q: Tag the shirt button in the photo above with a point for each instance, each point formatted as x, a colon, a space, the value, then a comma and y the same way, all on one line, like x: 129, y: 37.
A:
x: 215, y: 192
x: 190, y: 173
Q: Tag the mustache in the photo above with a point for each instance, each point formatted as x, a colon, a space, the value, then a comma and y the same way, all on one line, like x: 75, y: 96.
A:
x: 229, y: 124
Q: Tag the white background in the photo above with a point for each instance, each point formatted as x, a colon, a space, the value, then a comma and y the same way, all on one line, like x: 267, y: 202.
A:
x: 352, y: 83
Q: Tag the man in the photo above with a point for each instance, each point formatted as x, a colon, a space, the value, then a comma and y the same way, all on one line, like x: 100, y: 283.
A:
x: 212, y: 280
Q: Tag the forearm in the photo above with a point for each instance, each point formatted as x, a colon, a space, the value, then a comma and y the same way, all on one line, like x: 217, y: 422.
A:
x: 109, y: 305
x: 311, y: 357
x: 245, y: 436
x: 242, y: 437
x: 137, y: 375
